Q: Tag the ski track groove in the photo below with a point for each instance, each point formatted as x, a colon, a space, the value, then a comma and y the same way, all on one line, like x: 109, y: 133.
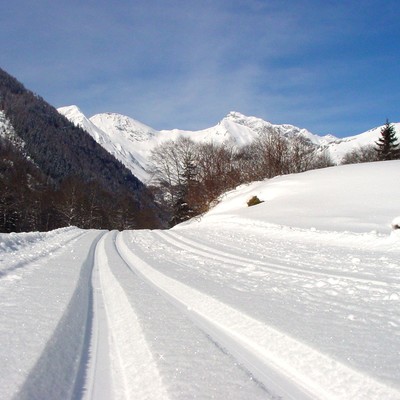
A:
x: 59, y: 371
x: 231, y: 249
x: 214, y: 254
x: 133, y: 372
x: 135, y: 363
x: 98, y: 349
x: 204, y: 251
x: 249, y: 340
x: 273, y: 381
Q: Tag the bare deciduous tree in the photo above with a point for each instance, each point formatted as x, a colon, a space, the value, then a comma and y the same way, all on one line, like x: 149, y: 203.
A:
x: 360, y: 155
x: 192, y: 176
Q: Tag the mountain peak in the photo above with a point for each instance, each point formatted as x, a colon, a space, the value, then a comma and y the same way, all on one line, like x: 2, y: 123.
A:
x: 72, y: 112
x: 118, y: 124
x: 235, y: 115
x: 255, y: 123
x: 242, y: 119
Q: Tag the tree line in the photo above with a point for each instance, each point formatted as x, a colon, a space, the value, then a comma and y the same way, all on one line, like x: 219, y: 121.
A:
x: 29, y: 201
x: 189, y: 177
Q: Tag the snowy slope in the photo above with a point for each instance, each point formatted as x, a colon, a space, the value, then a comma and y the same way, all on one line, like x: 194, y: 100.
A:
x: 356, y: 198
x: 339, y: 148
x: 119, y: 139
x: 294, y: 298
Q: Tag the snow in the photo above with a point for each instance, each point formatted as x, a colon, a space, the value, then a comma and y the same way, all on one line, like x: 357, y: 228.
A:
x: 294, y: 298
x: 44, y: 296
x: 123, y: 134
x: 17, y: 250
x: 282, y: 363
x: 339, y: 148
x: 356, y: 198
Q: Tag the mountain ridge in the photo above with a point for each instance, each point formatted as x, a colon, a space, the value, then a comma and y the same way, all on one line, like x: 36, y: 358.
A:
x: 131, y: 141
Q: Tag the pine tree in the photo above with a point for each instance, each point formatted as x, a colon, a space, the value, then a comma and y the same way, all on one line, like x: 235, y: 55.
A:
x: 387, y: 145
x: 184, y: 206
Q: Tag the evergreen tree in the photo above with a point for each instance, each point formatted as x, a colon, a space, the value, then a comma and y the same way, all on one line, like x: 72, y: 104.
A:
x: 387, y: 145
x: 183, y: 208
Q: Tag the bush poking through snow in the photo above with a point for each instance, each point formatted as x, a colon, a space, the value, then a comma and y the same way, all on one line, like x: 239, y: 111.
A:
x: 396, y: 223
x: 254, y: 201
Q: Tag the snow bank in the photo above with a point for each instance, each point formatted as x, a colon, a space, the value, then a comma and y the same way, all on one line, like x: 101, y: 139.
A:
x: 17, y: 249
x: 14, y: 241
x: 355, y: 198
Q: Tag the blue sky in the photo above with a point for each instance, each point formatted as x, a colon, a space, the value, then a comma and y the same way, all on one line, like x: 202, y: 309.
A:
x: 328, y: 66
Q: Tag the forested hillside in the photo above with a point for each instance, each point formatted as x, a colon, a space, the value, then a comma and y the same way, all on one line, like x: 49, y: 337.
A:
x: 53, y: 173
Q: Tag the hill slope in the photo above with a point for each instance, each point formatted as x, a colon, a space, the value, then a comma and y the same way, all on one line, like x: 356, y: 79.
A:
x: 58, y: 147
x: 355, y: 198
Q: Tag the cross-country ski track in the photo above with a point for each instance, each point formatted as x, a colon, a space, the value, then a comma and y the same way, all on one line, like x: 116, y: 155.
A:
x: 204, y: 313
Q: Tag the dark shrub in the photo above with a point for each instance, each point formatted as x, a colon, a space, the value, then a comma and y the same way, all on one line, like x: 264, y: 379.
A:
x: 254, y: 201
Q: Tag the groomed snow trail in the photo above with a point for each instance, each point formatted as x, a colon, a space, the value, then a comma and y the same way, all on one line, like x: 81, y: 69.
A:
x: 243, y: 313
x: 154, y: 351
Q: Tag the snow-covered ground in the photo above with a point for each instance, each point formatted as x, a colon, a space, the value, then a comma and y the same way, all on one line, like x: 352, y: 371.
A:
x: 355, y: 198
x: 295, y: 298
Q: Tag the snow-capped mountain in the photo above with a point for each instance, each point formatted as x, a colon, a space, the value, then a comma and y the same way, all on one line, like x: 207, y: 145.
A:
x: 131, y: 141
x: 127, y: 140
x: 259, y: 126
x: 339, y: 147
